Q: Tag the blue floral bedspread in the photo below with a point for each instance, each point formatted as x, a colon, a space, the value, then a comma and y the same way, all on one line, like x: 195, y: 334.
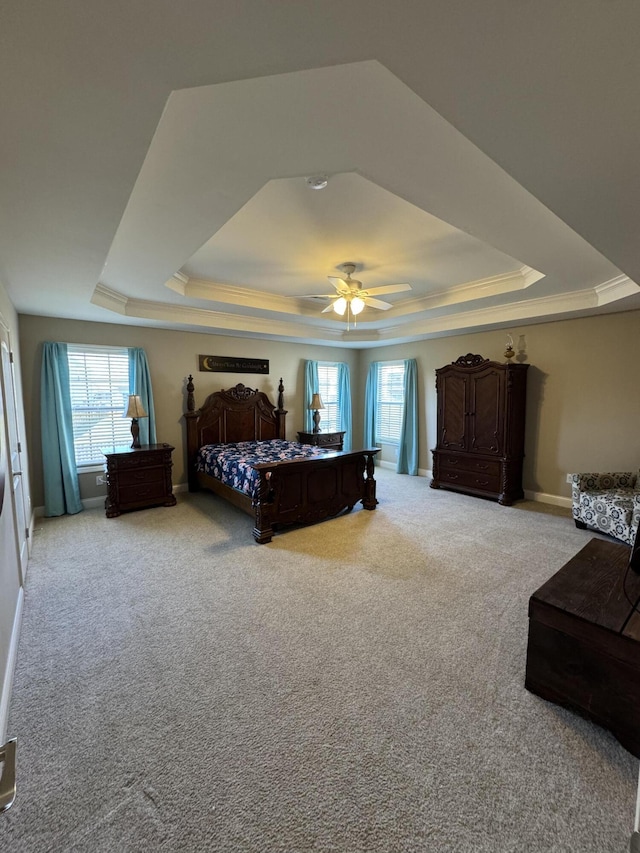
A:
x: 232, y: 463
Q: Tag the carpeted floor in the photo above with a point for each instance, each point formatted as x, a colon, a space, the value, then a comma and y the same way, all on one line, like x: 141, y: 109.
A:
x: 353, y: 686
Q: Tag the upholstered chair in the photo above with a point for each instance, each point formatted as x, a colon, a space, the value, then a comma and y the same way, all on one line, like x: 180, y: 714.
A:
x: 608, y: 503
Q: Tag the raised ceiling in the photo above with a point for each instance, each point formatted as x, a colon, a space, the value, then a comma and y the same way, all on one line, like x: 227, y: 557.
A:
x: 156, y: 160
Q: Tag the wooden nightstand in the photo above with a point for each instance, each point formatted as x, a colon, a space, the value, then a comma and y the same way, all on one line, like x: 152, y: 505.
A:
x: 328, y: 440
x: 138, y: 478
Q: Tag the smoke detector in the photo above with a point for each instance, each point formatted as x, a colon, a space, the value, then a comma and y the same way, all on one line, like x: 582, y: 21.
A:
x: 318, y: 182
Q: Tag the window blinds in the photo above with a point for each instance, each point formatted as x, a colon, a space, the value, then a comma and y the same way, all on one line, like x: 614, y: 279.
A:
x: 390, y: 402
x: 328, y: 388
x: 99, y: 386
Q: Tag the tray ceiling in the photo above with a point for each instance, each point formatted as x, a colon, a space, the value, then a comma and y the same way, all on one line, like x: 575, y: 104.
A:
x: 218, y: 230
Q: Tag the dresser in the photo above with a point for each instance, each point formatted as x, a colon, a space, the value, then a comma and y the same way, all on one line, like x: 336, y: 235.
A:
x: 480, y: 428
x: 328, y: 440
x: 138, y: 478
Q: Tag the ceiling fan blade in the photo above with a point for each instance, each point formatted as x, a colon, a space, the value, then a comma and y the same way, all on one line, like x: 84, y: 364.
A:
x: 377, y: 303
x: 389, y: 288
x: 339, y: 283
x: 315, y: 296
x: 327, y: 309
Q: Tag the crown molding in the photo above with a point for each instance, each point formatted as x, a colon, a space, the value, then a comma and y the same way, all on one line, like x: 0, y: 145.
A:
x: 212, y: 291
x: 105, y: 297
x: 173, y: 315
x: 528, y: 310
x: 494, y: 285
x: 614, y: 289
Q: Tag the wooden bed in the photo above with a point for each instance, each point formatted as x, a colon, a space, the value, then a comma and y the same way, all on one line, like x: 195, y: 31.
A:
x: 299, y: 491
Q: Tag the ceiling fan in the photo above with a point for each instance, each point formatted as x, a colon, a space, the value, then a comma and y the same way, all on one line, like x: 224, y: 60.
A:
x: 351, y: 298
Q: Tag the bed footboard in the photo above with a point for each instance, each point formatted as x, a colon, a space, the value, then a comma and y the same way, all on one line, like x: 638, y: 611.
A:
x: 307, y: 491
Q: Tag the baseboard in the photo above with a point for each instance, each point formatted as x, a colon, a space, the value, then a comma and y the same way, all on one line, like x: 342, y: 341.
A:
x: 92, y: 503
x: 391, y: 466
x: 541, y: 497
x: 5, y: 697
x: 544, y: 498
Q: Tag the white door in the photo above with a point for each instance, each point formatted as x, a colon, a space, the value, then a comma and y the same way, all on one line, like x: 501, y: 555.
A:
x: 10, y: 580
x: 15, y: 480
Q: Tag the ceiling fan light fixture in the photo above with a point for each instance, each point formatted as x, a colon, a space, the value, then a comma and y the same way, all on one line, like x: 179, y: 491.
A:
x: 340, y: 306
x: 357, y: 305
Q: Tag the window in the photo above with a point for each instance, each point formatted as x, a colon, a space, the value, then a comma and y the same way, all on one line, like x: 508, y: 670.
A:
x: 99, y: 386
x: 328, y: 388
x: 390, y: 403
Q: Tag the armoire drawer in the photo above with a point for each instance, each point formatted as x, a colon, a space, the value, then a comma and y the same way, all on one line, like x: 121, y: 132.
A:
x: 469, y: 479
x: 489, y: 467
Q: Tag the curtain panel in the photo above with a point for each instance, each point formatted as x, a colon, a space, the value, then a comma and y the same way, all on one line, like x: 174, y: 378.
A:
x: 140, y: 383
x: 61, y: 487
x: 310, y: 388
x: 370, y: 405
x: 408, y: 447
x: 344, y: 398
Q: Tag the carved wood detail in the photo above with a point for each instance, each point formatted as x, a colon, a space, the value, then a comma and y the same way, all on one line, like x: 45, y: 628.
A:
x: 470, y: 360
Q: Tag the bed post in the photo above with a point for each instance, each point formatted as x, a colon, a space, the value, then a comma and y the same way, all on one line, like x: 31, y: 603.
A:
x: 263, y: 531
x: 191, y: 417
x: 281, y: 413
x: 369, y: 499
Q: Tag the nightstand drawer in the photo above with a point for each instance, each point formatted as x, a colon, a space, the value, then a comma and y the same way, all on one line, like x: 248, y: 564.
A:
x: 137, y: 460
x: 153, y: 474
x: 140, y: 493
x: 328, y: 440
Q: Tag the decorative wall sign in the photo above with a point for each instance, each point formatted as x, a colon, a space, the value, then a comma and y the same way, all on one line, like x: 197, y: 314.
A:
x: 225, y: 364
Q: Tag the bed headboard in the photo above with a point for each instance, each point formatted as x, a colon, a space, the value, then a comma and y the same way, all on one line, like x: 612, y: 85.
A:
x: 234, y: 414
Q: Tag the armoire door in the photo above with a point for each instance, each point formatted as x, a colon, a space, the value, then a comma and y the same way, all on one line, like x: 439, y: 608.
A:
x: 452, y: 411
x: 487, y: 408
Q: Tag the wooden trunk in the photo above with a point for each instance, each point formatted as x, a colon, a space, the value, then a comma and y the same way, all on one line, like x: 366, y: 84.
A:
x: 584, y: 640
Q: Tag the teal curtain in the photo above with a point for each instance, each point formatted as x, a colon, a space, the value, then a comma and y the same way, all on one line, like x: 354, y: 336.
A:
x: 140, y: 383
x: 61, y: 488
x: 344, y: 403
x: 310, y: 388
x: 370, y: 405
x: 408, y: 448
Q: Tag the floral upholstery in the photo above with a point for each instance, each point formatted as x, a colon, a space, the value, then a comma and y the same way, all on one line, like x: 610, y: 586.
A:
x: 608, y: 503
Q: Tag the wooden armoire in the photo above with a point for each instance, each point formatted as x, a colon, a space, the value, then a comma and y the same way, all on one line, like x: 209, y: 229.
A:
x: 480, y: 444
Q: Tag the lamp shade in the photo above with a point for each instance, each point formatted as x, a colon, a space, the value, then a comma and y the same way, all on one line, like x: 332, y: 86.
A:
x: 316, y: 402
x: 357, y: 305
x: 340, y: 305
x: 135, y: 409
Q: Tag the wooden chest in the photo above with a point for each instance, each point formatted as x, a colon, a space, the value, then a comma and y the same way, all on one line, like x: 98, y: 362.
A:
x: 584, y: 640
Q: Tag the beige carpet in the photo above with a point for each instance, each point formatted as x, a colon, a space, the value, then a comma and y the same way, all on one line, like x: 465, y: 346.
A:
x: 352, y: 686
